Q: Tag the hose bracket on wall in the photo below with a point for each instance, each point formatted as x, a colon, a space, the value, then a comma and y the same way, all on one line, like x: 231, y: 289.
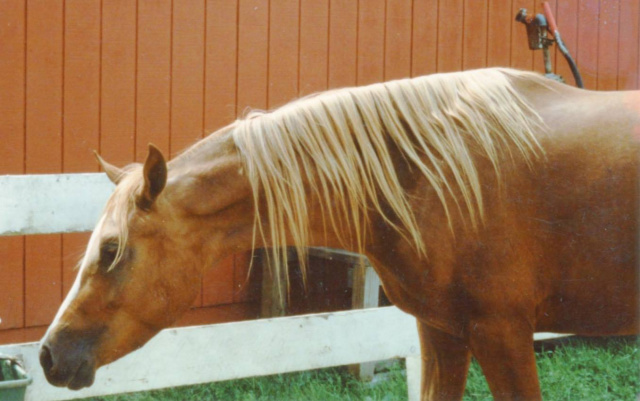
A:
x: 538, y: 29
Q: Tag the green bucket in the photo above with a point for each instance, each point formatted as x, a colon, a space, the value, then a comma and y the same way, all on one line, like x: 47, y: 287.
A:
x: 13, y: 380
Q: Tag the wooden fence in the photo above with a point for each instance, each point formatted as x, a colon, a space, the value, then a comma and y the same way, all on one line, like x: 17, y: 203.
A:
x: 59, y: 203
x: 56, y: 203
x: 201, y: 354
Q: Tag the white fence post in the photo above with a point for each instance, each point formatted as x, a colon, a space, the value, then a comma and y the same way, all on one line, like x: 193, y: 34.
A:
x: 414, y: 376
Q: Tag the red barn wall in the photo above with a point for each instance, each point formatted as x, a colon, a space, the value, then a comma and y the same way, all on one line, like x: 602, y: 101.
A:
x: 77, y: 75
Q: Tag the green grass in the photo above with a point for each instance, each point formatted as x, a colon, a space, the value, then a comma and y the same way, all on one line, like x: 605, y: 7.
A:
x: 579, y: 369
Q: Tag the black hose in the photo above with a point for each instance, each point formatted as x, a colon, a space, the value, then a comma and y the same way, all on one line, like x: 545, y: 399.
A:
x: 567, y: 56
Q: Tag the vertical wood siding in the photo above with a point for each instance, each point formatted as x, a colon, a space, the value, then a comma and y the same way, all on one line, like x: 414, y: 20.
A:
x: 12, y: 147
x: 77, y: 75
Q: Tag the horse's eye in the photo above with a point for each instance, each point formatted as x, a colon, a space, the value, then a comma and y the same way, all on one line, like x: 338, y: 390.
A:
x: 108, y: 252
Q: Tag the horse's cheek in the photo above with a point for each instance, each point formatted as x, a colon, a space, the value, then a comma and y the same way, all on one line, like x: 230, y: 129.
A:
x: 159, y: 297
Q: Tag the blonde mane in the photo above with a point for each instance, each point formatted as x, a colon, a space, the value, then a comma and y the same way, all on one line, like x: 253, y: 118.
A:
x: 335, y: 146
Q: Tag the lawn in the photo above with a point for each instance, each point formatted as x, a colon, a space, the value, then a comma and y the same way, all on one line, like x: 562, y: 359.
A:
x: 574, y: 369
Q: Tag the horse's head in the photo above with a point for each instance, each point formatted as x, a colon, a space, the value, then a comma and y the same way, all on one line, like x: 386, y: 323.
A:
x: 140, y: 272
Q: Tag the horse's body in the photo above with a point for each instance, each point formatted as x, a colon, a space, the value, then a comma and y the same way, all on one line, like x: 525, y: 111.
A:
x: 562, y: 246
x: 539, y: 234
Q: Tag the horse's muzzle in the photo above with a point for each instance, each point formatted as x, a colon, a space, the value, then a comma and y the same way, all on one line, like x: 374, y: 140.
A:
x: 69, y: 361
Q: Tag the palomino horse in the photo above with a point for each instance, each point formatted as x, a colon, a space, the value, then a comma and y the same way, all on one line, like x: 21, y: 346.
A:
x: 492, y: 203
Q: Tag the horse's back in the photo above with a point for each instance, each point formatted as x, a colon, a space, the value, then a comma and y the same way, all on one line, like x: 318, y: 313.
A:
x: 586, y: 222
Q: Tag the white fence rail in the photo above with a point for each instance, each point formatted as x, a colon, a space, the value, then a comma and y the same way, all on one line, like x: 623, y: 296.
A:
x: 202, y: 354
x: 60, y: 203
x: 51, y: 203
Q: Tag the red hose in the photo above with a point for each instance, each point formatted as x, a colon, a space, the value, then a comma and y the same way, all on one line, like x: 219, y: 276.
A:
x: 551, y: 21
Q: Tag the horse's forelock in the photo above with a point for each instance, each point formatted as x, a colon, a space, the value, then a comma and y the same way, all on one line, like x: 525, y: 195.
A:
x: 118, y: 209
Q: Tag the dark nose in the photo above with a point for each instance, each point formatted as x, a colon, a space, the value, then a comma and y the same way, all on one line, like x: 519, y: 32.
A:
x: 46, y: 360
x: 67, y: 358
x: 56, y: 375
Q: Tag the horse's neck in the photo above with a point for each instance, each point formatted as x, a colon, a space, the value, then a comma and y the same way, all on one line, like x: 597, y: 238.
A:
x: 210, y: 195
x: 208, y: 178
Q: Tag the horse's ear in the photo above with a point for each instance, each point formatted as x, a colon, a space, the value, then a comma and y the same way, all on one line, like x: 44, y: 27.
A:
x: 114, y: 173
x: 155, y: 178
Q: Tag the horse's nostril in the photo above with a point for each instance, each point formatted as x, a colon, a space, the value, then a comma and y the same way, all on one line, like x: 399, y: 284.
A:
x: 46, y: 360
